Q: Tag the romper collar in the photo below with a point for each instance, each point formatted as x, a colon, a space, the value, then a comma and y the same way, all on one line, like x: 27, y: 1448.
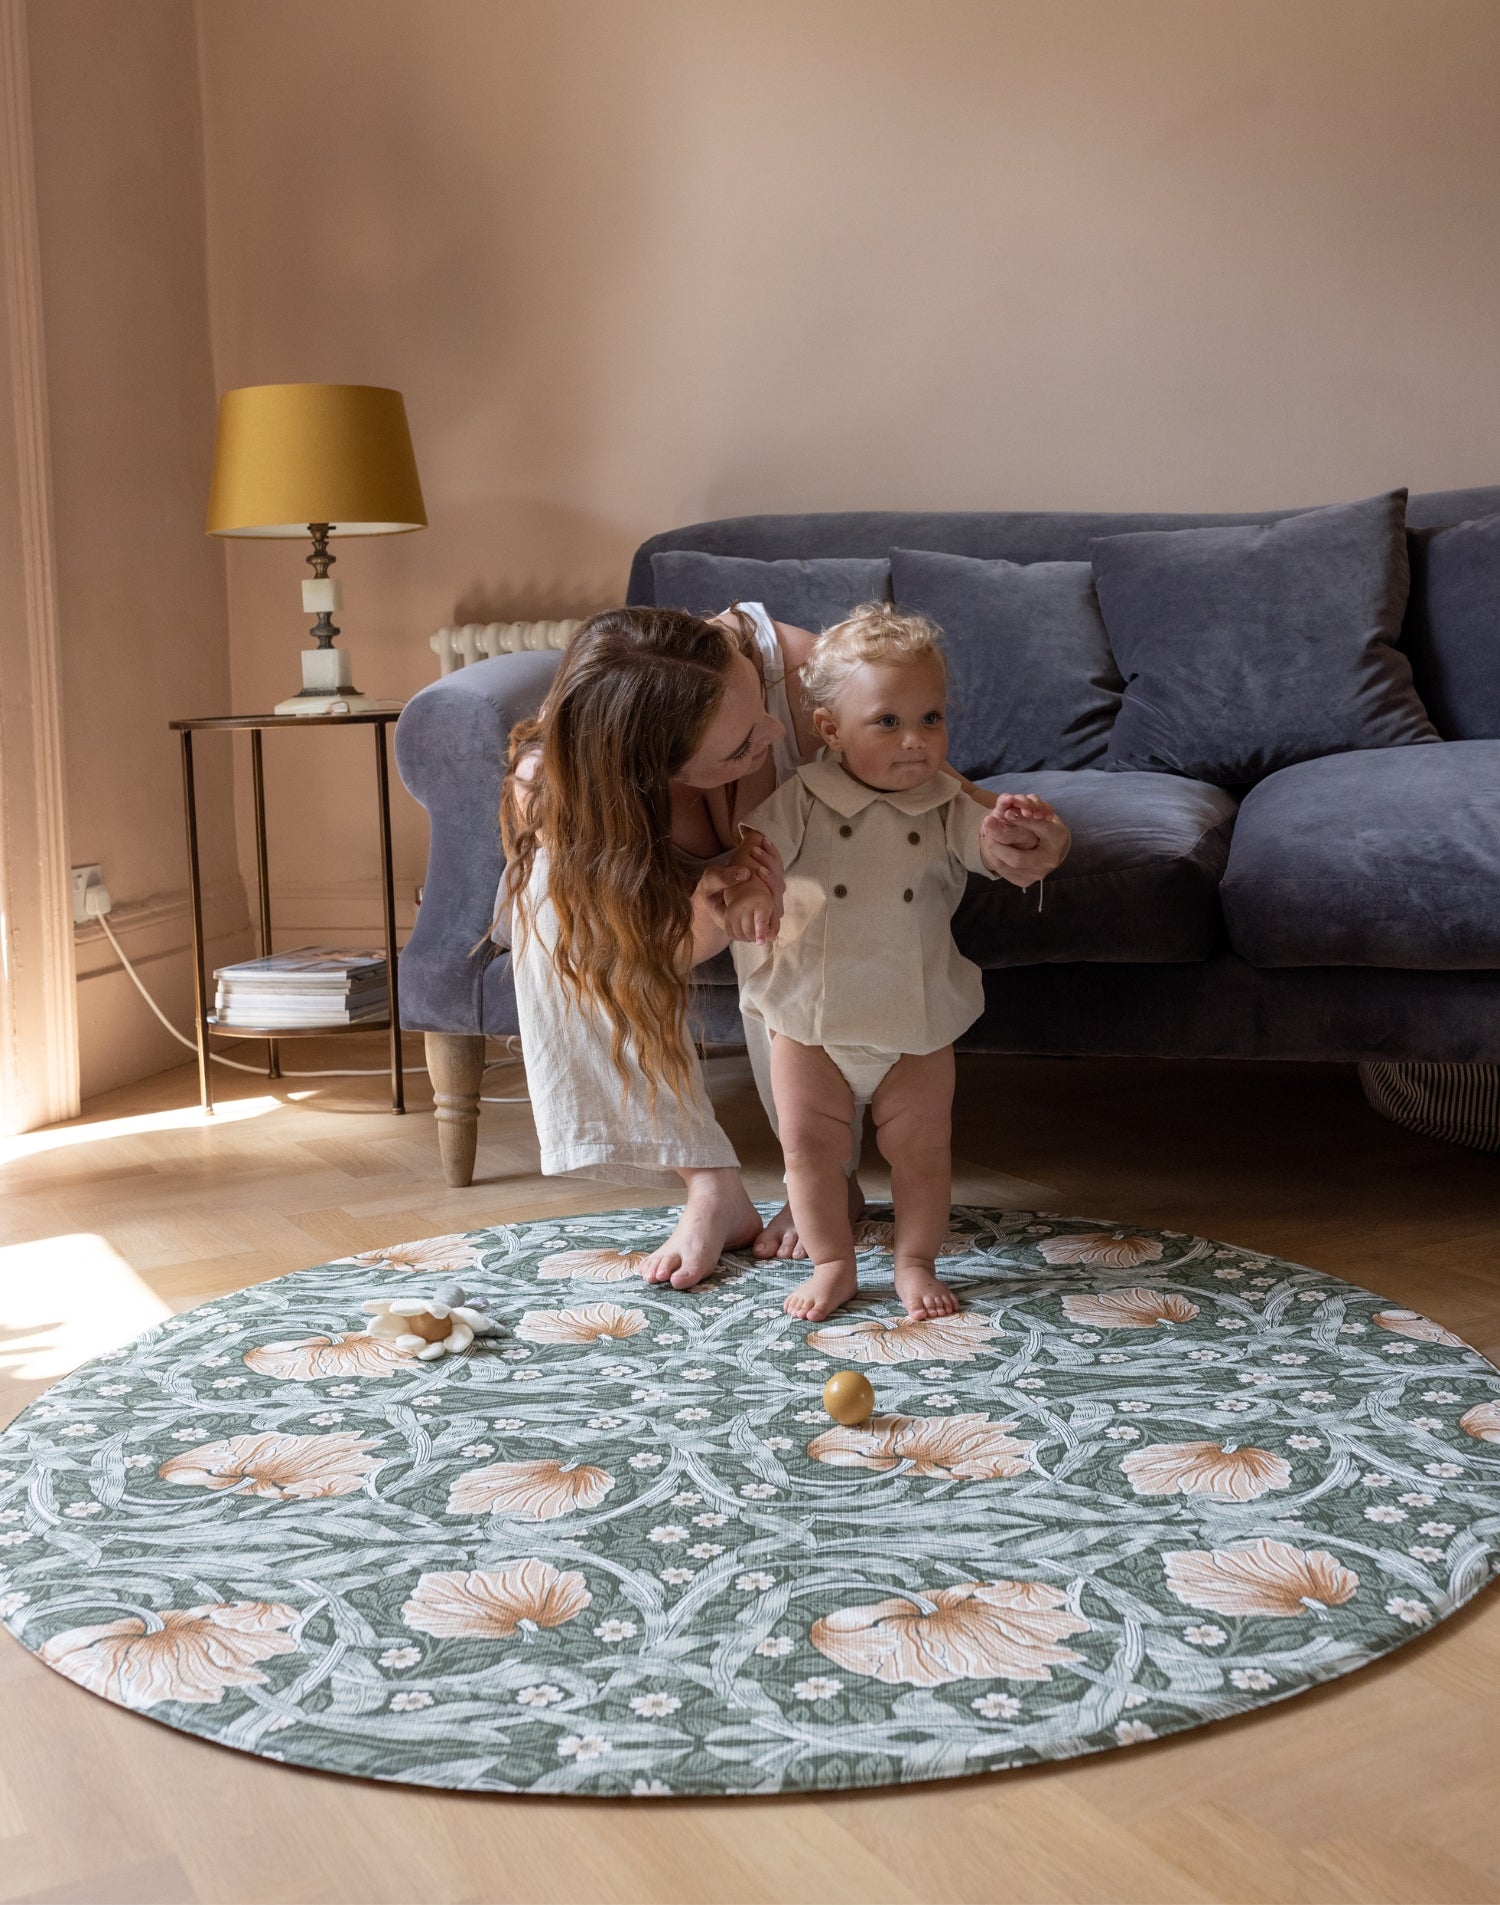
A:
x: 829, y: 783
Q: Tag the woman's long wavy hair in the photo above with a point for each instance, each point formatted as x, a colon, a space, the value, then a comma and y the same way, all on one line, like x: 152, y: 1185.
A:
x: 628, y: 707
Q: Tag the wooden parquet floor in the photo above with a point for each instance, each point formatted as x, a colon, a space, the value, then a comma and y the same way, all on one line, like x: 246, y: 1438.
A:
x: 1385, y: 1786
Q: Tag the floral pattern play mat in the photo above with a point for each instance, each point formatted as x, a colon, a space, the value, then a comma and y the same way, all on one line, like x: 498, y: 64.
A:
x: 1140, y: 1482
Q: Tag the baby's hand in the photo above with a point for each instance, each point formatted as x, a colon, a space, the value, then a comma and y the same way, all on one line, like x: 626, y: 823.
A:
x: 751, y: 913
x: 1022, y: 839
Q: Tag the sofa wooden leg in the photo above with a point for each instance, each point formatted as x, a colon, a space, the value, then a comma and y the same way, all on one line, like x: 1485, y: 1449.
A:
x: 455, y: 1064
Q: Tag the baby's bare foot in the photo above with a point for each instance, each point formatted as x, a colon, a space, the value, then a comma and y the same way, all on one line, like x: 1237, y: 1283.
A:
x: 717, y: 1216
x: 921, y: 1290
x: 831, y: 1285
x: 780, y: 1239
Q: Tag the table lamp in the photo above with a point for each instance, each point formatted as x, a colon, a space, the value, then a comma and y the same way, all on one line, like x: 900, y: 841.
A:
x: 317, y: 460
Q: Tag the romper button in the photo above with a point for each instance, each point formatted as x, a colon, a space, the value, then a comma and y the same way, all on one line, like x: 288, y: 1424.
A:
x: 844, y: 832
x: 915, y: 839
x: 907, y: 894
x: 839, y: 892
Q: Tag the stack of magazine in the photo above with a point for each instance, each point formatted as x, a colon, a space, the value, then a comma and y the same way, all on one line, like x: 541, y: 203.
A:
x: 315, y: 985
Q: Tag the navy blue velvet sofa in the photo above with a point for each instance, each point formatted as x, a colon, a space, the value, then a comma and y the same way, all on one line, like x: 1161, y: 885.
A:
x: 1348, y: 908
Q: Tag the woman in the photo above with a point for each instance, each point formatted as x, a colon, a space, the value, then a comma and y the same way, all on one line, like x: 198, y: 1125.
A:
x: 621, y: 840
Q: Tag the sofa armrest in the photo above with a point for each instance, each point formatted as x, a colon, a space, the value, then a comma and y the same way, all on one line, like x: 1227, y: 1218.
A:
x: 451, y: 745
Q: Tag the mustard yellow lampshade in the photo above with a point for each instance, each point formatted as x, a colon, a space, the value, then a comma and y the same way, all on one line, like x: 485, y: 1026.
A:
x: 288, y: 455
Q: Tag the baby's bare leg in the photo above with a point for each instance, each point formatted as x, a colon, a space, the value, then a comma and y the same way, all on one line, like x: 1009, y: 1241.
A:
x: 813, y: 1107
x: 913, y: 1112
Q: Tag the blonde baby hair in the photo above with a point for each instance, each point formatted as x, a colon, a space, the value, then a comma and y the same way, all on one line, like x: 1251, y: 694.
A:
x: 876, y: 632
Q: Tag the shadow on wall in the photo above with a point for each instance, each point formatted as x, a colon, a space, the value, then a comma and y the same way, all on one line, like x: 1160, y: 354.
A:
x: 550, y: 561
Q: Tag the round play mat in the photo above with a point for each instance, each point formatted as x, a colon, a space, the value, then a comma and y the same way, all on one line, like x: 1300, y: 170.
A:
x: 1140, y: 1482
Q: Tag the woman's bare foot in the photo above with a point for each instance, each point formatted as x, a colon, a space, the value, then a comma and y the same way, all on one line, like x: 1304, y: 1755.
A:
x: 830, y: 1286
x: 780, y: 1239
x: 717, y: 1216
x: 921, y: 1290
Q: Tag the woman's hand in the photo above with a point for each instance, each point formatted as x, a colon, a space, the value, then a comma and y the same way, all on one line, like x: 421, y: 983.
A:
x: 1022, y: 839
x: 763, y: 859
x: 710, y: 895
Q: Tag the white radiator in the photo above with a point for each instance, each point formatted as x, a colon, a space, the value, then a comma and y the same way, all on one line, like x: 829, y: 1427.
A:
x: 476, y: 640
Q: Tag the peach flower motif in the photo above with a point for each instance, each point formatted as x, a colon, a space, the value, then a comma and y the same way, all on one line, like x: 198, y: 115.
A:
x: 280, y: 1467
x: 1421, y: 1329
x: 872, y: 1235
x: 971, y: 1446
x: 1482, y: 1421
x: 933, y: 1339
x: 1263, y: 1577
x: 974, y: 1631
x: 427, y: 1255
x: 1119, y: 1252
x: 311, y: 1358
x: 592, y: 1266
x: 533, y: 1491
x: 193, y: 1656
x: 493, y: 1605
x: 586, y: 1325
x: 1134, y: 1309
x: 1228, y: 1474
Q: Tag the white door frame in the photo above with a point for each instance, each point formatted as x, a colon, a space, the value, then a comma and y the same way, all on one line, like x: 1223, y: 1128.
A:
x: 38, y: 1000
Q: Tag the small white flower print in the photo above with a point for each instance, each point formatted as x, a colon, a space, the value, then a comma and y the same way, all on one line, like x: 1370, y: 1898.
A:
x: 667, y: 1531
x: 113, y: 1388
x: 281, y: 1722
x: 1134, y: 1408
x: 231, y: 1382
x: 1232, y: 1405
x: 810, y: 1415
x: 668, y: 1336
x: 647, y: 1395
x: 654, y: 1706
x: 1263, y: 1283
x: 11, y: 1514
x: 818, y: 1688
x: 705, y: 1550
x: 509, y: 1424
x: 187, y: 1435
x: 613, y: 1630
x: 1414, y: 1613
x: 326, y: 1416
x: 528, y: 1375
x: 1227, y: 1275
x: 1122, y: 1432
x: 1351, y: 1329
x: 1400, y: 1349
x: 1112, y: 1356
x: 582, y: 1746
x: 77, y: 1511
x: 515, y: 1354
x: 1316, y: 1395
x: 13, y: 1537
x: 645, y: 1461
x: 710, y: 1518
x: 1252, y: 1679
x: 1446, y: 1471
x: 1255, y: 1378
x: 755, y: 1582
x: 940, y: 1400
x: 1136, y: 1698
x: 1430, y: 1423
x: 1203, y: 1355
x: 597, y: 1422
x: 678, y: 1577
x: 1303, y: 1442
x: 757, y: 1491
x: 777, y: 1443
x: 1387, y: 1512
x: 1227, y: 1322
x: 1423, y: 1553
x: 686, y: 1499
x: 1311, y: 1296
x: 996, y: 1706
x: 693, y: 1415
x: 1133, y: 1732
x: 476, y: 1451
x: 410, y: 1702
x: 539, y: 1696
x: 220, y: 1329
x: 343, y: 1389
x: 1085, y: 1336
x: 400, y: 1657
x: 1440, y: 1395
x: 83, y: 1428
x: 651, y: 1789
x: 1290, y: 1357
x: 1417, y: 1500
x: 138, y: 1461
x: 776, y: 1647
x: 939, y: 1375
x: 1030, y: 1382
x: 1375, y: 1479
x: 1205, y: 1636
x: 1441, y: 1529
x: 698, y: 1375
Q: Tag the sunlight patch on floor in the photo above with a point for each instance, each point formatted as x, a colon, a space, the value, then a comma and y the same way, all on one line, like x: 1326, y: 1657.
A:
x: 189, y: 1118
x: 66, y: 1299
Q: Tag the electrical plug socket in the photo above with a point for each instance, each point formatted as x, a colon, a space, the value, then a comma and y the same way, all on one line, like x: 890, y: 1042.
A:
x: 90, y: 894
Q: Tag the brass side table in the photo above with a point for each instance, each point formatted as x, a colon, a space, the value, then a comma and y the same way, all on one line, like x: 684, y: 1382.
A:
x: 207, y: 1023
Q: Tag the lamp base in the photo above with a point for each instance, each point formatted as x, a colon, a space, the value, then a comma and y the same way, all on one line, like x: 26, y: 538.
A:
x: 348, y: 703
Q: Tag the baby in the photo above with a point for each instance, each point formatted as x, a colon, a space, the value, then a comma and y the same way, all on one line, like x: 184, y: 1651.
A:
x: 862, y: 988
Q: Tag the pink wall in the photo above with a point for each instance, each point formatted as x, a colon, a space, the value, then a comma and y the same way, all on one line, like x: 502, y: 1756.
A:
x: 637, y: 264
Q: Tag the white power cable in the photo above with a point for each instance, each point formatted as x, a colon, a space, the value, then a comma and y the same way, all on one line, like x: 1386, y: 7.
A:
x: 234, y: 1064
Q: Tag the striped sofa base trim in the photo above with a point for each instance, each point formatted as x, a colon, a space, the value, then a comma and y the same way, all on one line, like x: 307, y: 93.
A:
x: 1458, y: 1103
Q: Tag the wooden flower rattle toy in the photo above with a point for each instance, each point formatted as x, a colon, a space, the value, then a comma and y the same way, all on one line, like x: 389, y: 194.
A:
x: 428, y: 1327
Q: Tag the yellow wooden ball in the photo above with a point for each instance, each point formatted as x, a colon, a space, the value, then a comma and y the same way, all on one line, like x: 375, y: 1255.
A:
x: 848, y: 1397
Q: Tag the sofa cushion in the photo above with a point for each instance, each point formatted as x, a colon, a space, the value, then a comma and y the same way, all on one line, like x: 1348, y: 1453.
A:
x: 1139, y: 885
x: 1386, y: 857
x: 1031, y: 680
x: 1452, y: 631
x: 811, y: 595
x: 1247, y: 649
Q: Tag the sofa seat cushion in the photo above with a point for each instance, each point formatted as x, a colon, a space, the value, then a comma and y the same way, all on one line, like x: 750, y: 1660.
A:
x: 1383, y: 857
x: 1139, y: 885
